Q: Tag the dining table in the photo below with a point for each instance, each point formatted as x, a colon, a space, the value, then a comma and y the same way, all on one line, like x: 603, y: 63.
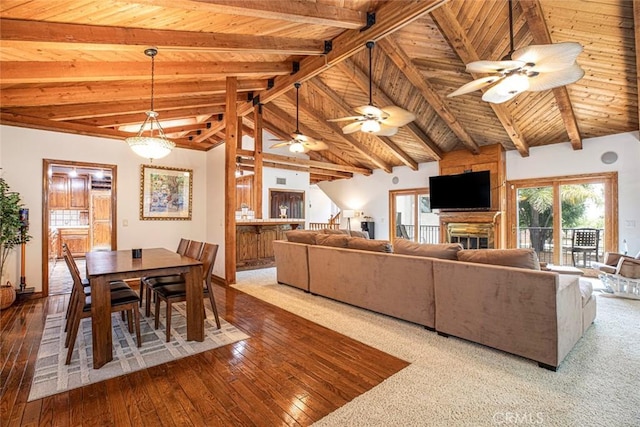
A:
x: 104, y: 267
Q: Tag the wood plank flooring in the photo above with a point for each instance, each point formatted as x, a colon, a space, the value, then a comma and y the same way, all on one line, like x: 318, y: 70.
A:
x: 289, y: 372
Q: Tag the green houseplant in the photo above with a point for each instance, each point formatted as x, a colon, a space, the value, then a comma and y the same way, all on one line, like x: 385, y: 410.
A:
x: 11, y: 234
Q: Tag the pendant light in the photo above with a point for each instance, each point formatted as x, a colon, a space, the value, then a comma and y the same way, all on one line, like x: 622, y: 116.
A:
x: 150, y: 142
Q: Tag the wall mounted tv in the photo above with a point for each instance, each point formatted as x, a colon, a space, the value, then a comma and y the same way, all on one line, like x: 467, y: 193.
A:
x: 470, y: 190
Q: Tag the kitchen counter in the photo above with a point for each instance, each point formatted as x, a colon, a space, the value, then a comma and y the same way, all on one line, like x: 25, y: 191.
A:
x: 254, y: 247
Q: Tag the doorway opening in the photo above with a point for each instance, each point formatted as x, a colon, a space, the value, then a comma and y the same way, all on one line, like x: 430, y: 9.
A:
x: 569, y: 220
x: 79, y: 209
x: 411, y: 216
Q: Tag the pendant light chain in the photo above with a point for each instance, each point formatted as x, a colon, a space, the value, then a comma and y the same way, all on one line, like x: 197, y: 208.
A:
x: 297, y: 85
x: 370, y: 46
x: 153, y: 69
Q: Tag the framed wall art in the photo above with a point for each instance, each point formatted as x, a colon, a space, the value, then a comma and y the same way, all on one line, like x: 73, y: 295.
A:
x: 165, y: 193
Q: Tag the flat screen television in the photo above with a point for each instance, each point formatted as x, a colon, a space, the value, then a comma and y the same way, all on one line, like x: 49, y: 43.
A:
x: 470, y: 190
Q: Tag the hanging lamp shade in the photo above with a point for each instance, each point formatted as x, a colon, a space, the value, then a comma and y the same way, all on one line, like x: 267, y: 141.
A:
x: 151, y: 142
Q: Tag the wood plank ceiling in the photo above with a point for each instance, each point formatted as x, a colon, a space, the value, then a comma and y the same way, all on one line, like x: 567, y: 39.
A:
x: 79, y: 67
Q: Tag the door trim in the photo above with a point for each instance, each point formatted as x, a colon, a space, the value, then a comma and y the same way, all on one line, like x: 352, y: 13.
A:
x: 46, y: 164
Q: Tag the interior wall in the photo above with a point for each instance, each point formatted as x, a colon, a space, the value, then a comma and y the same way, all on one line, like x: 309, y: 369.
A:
x: 370, y: 194
x: 215, y: 202
x: 22, y: 153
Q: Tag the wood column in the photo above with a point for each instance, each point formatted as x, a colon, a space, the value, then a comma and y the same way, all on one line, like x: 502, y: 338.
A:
x: 231, y: 144
x: 257, y: 164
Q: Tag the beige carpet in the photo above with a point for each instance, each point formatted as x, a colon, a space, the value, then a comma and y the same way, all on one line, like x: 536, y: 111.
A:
x: 455, y: 382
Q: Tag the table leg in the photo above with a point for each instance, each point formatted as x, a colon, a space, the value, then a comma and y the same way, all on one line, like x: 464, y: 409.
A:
x: 195, y: 304
x: 101, y: 321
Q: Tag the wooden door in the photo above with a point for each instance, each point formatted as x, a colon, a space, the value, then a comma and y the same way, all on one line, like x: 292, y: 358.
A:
x: 100, y: 220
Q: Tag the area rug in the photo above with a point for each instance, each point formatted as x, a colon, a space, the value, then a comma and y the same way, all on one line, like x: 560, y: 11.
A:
x: 455, y: 382
x: 53, y: 376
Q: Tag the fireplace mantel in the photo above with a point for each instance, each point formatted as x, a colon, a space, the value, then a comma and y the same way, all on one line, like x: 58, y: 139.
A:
x: 491, y: 218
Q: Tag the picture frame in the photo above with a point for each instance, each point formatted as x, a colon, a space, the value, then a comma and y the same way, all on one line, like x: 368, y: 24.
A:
x: 165, y: 193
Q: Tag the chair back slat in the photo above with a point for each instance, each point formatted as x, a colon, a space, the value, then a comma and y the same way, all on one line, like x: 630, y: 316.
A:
x: 194, y: 249
x: 208, y: 258
x: 73, y: 269
x: 182, y: 246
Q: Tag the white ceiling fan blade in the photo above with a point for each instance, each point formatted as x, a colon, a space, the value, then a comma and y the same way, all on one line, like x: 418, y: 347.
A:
x: 475, y: 85
x: 341, y: 119
x: 352, y: 127
x: 549, y: 57
x: 545, y: 81
x: 397, y: 116
x: 504, y: 91
x: 386, y: 130
x: 492, y: 66
x: 369, y: 110
x: 280, y: 144
x: 316, y: 145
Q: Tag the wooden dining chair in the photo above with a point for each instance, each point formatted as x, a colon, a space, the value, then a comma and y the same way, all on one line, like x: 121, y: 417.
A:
x: 124, y: 299
x: 182, y: 249
x: 194, y: 251
x: 86, y: 287
x: 177, y: 292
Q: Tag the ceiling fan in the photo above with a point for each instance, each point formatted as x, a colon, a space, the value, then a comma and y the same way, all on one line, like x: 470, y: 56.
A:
x: 531, y: 68
x: 300, y: 143
x: 383, y: 121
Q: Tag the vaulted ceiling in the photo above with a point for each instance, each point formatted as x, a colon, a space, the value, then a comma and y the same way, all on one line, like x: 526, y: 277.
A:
x: 79, y: 67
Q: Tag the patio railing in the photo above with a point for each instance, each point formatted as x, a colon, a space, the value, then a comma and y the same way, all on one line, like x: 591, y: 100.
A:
x: 541, y: 240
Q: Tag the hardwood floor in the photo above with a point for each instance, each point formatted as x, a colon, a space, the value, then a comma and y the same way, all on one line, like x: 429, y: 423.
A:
x: 289, y: 372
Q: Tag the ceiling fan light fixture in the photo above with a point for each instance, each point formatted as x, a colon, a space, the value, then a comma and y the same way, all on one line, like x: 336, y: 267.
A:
x: 296, y: 147
x: 370, y: 126
x: 151, y: 142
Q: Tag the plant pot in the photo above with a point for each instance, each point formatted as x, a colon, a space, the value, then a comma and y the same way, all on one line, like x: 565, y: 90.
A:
x: 283, y: 213
x: 7, y: 296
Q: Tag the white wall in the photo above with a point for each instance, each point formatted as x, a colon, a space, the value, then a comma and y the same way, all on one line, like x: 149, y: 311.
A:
x: 370, y: 194
x: 561, y: 159
x: 215, y: 201
x: 22, y: 153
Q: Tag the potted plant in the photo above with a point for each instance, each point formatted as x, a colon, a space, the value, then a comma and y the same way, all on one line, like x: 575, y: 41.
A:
x: 12, y: 233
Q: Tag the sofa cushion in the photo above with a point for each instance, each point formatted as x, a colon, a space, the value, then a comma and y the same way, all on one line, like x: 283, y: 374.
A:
x: 442, y: 251
x: 629, y: 267
x: 369, y: 245
x: 337, y: 240
x: 301, y: 236
x: 362, y: 234
x: 335, y: 231
x: 521, y: 258
x: 586, y: 290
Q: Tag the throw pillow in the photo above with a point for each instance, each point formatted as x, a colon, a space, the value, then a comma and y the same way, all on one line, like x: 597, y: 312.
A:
x: 335, y: 231
x: 369, y: 245
x: 337, y: 240
x: 301, y: 236
x: 522, y: 258
x: 440, y: 250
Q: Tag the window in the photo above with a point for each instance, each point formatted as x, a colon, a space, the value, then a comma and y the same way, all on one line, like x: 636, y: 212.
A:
x: 411, y: 216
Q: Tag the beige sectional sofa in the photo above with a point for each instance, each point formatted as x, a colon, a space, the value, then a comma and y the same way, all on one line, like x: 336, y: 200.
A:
x: 531, y: 313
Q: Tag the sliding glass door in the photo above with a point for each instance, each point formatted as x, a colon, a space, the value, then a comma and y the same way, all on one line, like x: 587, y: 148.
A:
x: 411, y: 216
x: 569, y: 220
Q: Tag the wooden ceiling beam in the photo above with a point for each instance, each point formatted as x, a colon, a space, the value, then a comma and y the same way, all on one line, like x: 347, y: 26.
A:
x: 312, y: 163
x: 350, y: 69
x: 395, y: 53
x: 10, y: 119
x: 83, y: 111
x: 138, y: 118
x: 334, y: 128
x: 136, y: 39
x: 390, y: 17
x: 36, y: 96
x: 18, y: 72
x: 636, y: 30
x: 292, y: 11
x: 535, y: 20
x: 457, y: 37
